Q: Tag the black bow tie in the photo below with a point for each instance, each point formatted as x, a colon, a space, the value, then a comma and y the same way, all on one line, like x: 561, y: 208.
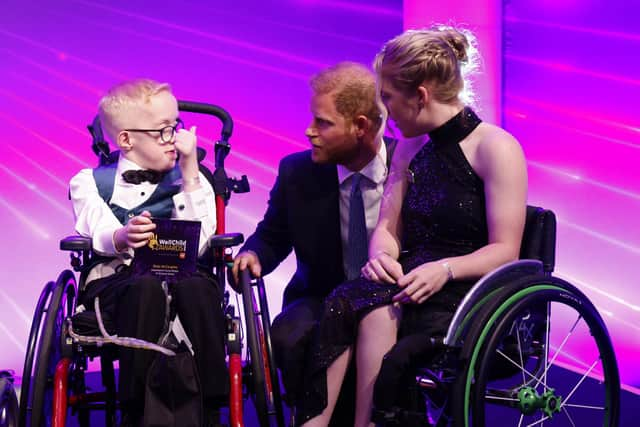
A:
x: 138, y: 176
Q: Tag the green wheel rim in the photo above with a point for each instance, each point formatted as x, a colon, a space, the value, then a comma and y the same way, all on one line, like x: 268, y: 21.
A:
x: 470, y: 375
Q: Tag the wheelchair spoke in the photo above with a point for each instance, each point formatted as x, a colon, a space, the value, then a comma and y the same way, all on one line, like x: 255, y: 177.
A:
x: 524, y: 379
x: 524, y: 371
x: 539, y: 422
x: 573, y: 358
x: 566, y: 338
x: 547, y: 343
x: 568, y: 416
x: 561, y: 375
x: 573, y: 405
x: 586, y: 374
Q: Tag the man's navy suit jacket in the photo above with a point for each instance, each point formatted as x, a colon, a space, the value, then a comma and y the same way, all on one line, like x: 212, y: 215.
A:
x: 302, y: 215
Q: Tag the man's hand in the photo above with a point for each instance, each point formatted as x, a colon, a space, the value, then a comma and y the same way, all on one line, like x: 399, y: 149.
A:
x: 242, y: 261
x: 135, y: 234
x: 382, y: 268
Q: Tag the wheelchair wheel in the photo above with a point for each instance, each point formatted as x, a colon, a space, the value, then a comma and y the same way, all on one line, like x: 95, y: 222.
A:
x: 34, y: 335
x: 264, y: 385
x: 8, y: 401
x: 515, y: 350
x: 60, y: 307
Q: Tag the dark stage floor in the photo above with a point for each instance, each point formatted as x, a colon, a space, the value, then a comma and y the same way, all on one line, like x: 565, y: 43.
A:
x: 629, y: 412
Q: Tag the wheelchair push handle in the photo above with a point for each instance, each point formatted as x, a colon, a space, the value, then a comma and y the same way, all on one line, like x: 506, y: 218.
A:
x: 244, y: 281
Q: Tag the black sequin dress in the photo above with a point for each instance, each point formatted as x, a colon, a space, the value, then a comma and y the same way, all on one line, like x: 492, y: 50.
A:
x: 443, y: 215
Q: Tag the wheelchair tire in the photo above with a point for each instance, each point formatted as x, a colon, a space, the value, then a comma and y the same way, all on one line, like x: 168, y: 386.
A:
x: 8, y: 401
x: 533, y: 394
x: 274, y: 398
x: 261, y: 387
x: 61, y: 306
x: 32, y: 347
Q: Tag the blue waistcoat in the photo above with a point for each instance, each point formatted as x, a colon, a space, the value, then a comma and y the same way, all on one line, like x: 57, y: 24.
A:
x: 160, y: 204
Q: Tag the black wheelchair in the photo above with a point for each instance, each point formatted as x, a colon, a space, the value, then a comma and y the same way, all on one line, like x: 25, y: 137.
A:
x: 498, y: 363
x: 55, y: 365
x: 8, y: 400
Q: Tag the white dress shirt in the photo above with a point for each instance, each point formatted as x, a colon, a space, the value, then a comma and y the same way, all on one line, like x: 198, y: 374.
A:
x: 371, y: 186
x: 95, y: 219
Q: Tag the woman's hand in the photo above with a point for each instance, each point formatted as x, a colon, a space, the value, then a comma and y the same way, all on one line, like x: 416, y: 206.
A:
x: 422, y: 282
x: 382, y: 268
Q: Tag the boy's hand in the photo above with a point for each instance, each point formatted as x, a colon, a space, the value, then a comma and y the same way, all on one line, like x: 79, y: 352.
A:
x: 135, y: 234
x: 186, y: 142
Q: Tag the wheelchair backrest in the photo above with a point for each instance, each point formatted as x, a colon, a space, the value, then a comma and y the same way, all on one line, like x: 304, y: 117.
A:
x: 537, y: 256
x: 539, y: 238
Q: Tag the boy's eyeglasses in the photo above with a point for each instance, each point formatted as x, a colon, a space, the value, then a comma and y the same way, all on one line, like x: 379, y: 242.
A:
x: 166, y: 133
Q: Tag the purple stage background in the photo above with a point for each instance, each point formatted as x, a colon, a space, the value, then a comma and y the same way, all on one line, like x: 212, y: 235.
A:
x: 570, y: 70
x: 570, y: 89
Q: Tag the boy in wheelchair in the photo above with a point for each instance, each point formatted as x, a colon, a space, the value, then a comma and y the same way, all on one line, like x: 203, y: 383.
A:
x: 155, y: 175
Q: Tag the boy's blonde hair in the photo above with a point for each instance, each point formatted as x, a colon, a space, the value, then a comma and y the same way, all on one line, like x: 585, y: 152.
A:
x: 355, y: 90
x: 122, y: 99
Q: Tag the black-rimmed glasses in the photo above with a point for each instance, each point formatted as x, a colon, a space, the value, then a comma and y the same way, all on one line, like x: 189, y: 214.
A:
x: 166, y: 133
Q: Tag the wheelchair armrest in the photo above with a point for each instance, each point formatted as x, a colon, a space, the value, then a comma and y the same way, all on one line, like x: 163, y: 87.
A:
x: 491, y: 281
x: 225, y: 240
x: 75, y: 243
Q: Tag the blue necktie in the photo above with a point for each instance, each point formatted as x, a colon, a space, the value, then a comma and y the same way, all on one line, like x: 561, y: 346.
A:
x: 358, y: 247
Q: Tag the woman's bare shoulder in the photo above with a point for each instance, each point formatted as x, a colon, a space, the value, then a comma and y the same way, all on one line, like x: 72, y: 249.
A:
x: 496, y: 146
x: 494, y: 139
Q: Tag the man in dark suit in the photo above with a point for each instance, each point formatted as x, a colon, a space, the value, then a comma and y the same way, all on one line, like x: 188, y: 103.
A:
x: 310, y: 210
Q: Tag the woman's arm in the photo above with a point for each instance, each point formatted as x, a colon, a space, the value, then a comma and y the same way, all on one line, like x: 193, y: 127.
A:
x: 501, y: 164
x: 384, y: 247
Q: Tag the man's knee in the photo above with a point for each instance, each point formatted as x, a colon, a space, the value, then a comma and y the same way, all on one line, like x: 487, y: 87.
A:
x: 294, y: 326
x: 281, y: 332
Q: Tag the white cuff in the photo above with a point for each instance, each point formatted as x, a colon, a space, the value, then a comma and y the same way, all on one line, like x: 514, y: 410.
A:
x: 191, y: 205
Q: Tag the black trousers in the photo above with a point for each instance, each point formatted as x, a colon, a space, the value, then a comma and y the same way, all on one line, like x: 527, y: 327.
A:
x: 292, y: 332
x: 139, y: 311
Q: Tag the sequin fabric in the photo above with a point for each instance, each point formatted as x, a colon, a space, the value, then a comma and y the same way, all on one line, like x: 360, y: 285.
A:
x: 443, y: 215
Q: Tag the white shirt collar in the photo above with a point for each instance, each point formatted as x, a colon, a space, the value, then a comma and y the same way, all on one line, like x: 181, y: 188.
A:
x: 375, y: 170
x: 125, y: 164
